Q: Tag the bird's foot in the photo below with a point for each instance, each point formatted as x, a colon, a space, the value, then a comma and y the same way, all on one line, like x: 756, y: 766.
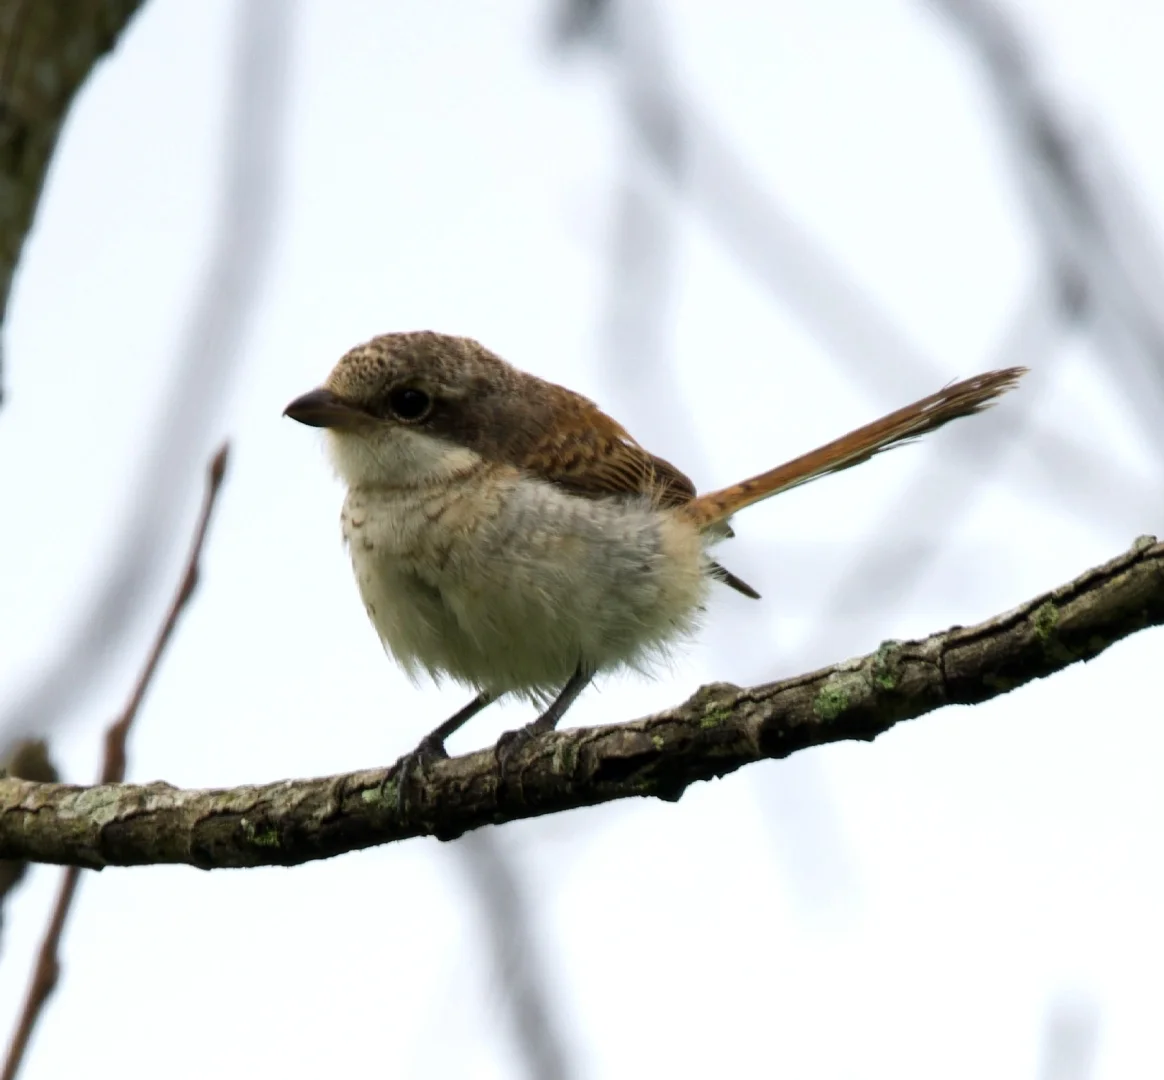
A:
x: 413, y: 765
x: 511, y: 743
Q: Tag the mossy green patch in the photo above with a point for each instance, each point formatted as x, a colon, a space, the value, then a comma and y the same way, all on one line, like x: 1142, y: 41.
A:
x: 832, y: 700
x: 1045, y: 619
x: 843, y: 689
x: 267, y: 836
x: 714, y: 718
x: 885, y: 665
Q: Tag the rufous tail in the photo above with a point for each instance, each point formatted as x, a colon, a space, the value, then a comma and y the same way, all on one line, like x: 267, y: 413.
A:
x: 958, y: 399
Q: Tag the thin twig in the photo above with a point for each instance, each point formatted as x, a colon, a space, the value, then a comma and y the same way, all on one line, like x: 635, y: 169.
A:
x: 47, y: 970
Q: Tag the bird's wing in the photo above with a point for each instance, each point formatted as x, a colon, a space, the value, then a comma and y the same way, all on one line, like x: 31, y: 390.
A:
x: 589, y: 454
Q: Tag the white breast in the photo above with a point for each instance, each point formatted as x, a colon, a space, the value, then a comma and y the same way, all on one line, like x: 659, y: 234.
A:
x: 509, y: 584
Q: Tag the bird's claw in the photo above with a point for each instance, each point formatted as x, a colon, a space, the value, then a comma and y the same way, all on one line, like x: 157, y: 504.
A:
x: 413, y: 764
x: 510, y: 744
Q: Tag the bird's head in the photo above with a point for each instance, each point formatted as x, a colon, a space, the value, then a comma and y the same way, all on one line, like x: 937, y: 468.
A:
x: 405, y: 409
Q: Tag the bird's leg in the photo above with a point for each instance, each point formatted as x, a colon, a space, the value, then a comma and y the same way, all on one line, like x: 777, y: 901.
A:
x: 553, y: 715
x: 432, y: 746
x: 512, y: 741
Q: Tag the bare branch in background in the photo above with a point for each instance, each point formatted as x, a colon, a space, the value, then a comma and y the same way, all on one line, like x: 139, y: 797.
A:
x: 46, y: 53
x: 643, y: 253
x: 241, y: 249
x: 1060, y: 300
x: 579, y: 22
x: 1070, y: 1041
x: 1083, y: 208
x: 872, y: 350
x: 720, y: 729
x: 47, y: 970
x: 800, y: 274
x: 507, y: 917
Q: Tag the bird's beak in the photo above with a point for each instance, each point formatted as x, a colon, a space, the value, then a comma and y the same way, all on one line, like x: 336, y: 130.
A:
x: 322, y: 408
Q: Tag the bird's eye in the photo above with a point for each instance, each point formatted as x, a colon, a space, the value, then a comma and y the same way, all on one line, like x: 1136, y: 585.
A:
x: 409, y: 403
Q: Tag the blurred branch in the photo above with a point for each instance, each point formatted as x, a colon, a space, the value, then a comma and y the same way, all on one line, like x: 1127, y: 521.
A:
x: 720, y: 729
x: 1070, y: 222
x: 507, y: 925
x: 783, y: 256
x: 1070, y: 1041
x: 579, y: 22
x: 47, y: 969
x: 1082, y: 206
x: 800, y: 273
x: 240, y: 254
x: 46, y: 53
x: 643, y: 265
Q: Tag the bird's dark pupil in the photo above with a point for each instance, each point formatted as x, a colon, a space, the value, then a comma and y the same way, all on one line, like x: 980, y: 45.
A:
x: 408, y: 403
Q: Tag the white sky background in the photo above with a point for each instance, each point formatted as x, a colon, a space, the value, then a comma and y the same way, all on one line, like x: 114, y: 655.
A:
x: 909, y: 908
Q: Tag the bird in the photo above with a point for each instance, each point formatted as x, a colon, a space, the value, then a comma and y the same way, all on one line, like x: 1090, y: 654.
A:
x: 506, y: 533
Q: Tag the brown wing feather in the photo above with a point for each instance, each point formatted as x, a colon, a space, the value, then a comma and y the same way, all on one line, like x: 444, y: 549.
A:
x: 592, y: 455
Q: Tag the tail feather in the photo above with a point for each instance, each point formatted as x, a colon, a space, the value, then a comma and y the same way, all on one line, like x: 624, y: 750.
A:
x: 722, y: 573
x: 930, y: 413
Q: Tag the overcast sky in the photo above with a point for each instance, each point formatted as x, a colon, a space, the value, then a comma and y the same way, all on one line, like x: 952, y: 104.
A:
x: 915, y: 907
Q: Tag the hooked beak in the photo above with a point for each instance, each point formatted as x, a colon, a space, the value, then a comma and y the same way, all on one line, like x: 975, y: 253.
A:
x: 322, y: 408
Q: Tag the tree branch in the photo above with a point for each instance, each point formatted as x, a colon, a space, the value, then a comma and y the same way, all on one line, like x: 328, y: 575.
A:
x: 718, y: 730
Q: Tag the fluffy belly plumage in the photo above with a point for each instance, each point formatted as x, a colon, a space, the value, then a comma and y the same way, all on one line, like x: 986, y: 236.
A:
x: 516, y: 591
